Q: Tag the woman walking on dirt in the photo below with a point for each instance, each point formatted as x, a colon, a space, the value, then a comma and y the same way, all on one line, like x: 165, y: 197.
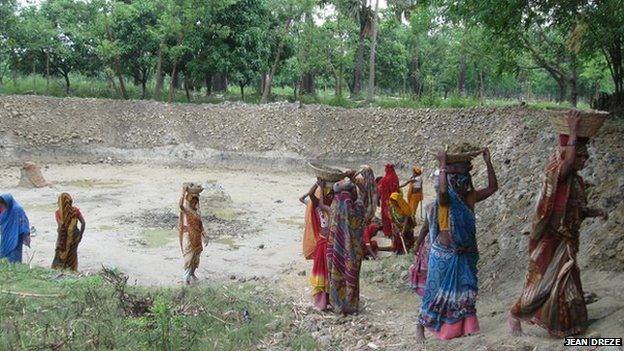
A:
x: 69, y: 235
x: 321, y: 196
x: 448, y: 305
x: 387, y: 185
x: 345, y: 249
x: 14, y: 229
x: 191, y: 230
x: 553, y: 296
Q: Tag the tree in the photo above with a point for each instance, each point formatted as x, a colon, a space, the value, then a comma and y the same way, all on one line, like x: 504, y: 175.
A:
x: 371, y: 75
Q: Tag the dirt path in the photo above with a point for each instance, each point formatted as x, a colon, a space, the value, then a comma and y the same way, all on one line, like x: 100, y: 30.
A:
x: 255, y: 222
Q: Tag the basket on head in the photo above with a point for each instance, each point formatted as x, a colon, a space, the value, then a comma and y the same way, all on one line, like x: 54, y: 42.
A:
x: 589, y: 124
x: 462, y: 153
x: 326, y: 173
x: 193, y: 188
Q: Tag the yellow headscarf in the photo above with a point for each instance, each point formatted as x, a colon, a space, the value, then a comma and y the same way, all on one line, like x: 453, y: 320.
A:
x: 417, y: 170
x: 399, y: 203
x: 67, y: 212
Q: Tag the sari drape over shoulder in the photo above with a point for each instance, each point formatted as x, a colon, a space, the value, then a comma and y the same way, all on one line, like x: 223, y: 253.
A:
x: 69, y: 236
x: 552, y: 296
x: 345, y: 253
x: 14, y: 226
x: 448, y: 304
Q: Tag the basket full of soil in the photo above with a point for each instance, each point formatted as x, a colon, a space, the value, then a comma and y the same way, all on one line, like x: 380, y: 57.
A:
x: 589, y: 124
x: 327, y: 173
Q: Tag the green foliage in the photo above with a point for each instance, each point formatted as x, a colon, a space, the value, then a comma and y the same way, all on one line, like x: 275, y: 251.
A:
x: 84, y: 313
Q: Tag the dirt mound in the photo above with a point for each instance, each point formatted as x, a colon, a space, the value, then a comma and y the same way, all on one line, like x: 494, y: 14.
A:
x: 31, y: 176
x: 281, y: 135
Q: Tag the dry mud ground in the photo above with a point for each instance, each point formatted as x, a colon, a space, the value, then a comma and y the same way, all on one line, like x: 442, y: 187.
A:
x: 255, y: 223
x: 124, y: 162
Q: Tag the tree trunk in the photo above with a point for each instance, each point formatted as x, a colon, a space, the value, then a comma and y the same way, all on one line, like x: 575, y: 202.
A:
x: 143, y: 87
x: 338, y: 87
x: 415, y: 81
x: 159, y: 72
x: 359, y: 62
x: 48, y: 70
x: 208, y: 82
x: 242, y: 91
x: 122, y: 85
x: 269, y: 79
x: 175, y: 78
x: 66, y: 76
x: 186, y: 88
x: 307, y: 84
x: 561, y: 84
x: 34, y: 71
x: 172, y: 84
x: 371, y: 72
x: 481, y: 87
x: 219, y: 82
x: 461, y: 79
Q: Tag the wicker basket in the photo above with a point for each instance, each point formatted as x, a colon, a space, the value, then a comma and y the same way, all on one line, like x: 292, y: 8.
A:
x: 327, y: 173
x: 193, y: 188
x: 589, y: 125
x: 462, y: 153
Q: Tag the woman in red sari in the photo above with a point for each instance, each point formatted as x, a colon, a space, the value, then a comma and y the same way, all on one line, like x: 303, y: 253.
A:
x: 319, y: 279
x: 387, y: 185
x: 553, y: 296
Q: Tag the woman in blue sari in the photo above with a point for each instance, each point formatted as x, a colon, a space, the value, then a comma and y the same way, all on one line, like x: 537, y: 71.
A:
x: 14, y: 229
x: 448, y: 305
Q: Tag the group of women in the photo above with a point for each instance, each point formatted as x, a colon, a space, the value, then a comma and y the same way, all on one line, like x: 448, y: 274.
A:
x: 341, y: 226
x: 15, y: 231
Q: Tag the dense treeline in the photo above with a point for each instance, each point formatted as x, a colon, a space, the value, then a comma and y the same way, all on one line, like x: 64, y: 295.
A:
x: 558, y: 50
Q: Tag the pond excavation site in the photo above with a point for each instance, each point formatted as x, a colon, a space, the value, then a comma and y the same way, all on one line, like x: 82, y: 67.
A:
x: 124, y: 164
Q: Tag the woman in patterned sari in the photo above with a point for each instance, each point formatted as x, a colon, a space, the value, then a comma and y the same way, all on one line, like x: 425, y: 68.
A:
x: 191, y: 231
x: 69, y: 235
x: 367, y: 192
x: 345, y: 249
x: 448, y: 305
x: 553, y: 296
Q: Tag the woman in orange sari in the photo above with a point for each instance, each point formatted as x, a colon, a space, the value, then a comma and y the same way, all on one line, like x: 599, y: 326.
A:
x: 319, y: 216
x: 191, y: 232
x: 69, y: 235
x: 553, y: 295
x: 414, y: 190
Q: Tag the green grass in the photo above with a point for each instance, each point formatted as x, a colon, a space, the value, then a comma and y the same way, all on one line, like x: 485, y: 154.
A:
x: 158, y: 237
x: 95, y: 88
x: 86, y: 313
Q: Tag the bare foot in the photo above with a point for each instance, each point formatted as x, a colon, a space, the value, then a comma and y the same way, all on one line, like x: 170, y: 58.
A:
x: 514, y: 325
x: 420, y: 333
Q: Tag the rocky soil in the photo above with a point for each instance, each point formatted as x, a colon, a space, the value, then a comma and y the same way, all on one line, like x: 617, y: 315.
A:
x: 282, y: 136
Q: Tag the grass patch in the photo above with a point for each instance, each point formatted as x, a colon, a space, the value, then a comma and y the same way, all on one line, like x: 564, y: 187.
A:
x: 224, y: 213
x: 227, y: 241
x: 90, y: 315
x: 158, y: 237
x: 95, y: 183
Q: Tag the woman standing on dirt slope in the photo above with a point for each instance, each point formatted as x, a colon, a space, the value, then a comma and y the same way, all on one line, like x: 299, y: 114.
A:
x: 345, y: 249
x: 317, y: 218
x: 448, y: 305
x: 191, y: 230
x: 367, y: 192
x: 387, y: 185
x: 69, y: 236
x: 14, y: 229
x: 553, y: 296
x: 402, y: 224
x: 414, y: 190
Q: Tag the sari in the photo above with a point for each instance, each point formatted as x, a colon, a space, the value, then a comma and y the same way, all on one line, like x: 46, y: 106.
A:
x: 402, y: 223
x: 367, y: 192
x: 319, y: 279
x: 414, y: 198
x: 192, y: 231
x: 311, y: 229
x: 14, y: 227
x: 418, y: 270
x: 448, y: 304
x: 552, y: 296
x: 68, y: 234
x: 345, y: 253
x: 387, y: 185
